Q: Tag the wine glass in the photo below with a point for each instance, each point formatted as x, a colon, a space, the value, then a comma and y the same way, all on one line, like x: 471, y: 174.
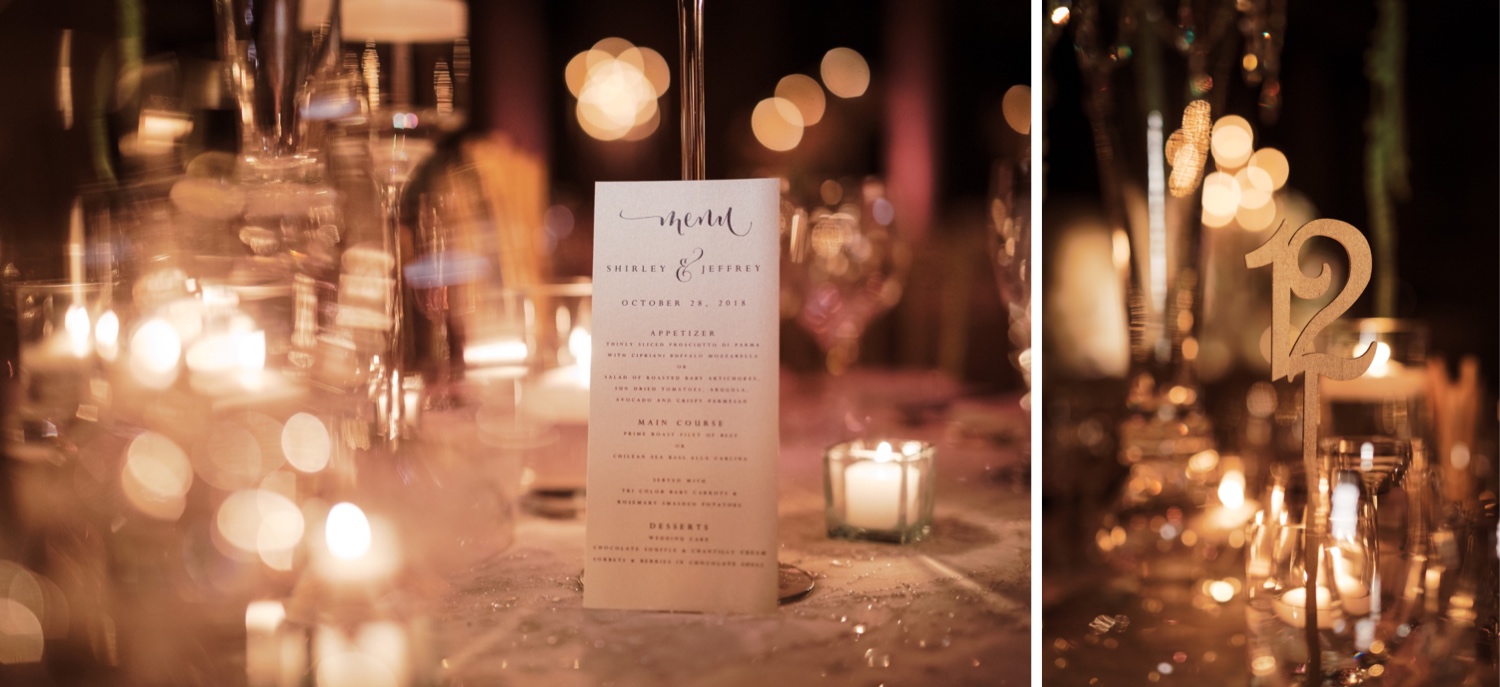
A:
x: 849, y: 264
x: 1339, y: 518
x: 1381, y: 461
x: 1390, y: 398
x: 1010, y: 246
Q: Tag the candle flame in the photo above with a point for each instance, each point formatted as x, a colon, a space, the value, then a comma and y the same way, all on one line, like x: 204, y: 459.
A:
x: 76, y: 322
x: 883, y: 452
x: 250, y: 355
x: 581, y: 345
x: 107, y: 334
x: 1203, y: 461
x: 1381, y: 366
x: 497, y: 352
x: 306, y: 443
x: 1232, y: 489
x: 265, y: 616
x: 347, y: 531
x: 154, y: 351
x: 1342, y: 520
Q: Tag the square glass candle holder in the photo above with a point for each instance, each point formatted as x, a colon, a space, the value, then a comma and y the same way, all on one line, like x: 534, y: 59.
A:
x: 879, y: 489
x: 554, y: 397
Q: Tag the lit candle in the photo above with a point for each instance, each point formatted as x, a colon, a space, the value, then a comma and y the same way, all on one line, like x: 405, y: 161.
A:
x: 873, y: 490
x: 496, y: 358
x: 1386, y: 379
x: 404, y: 21
x: 1291, y: 608
x: 1353, y: 593
x: 356, y: 548
x: 561, y: 396
x: 226, y: 362
x: 274, y: 657
x: 377, y: 653
x: 1234, y: 511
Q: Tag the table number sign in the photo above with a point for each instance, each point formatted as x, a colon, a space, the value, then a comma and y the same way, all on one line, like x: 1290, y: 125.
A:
x: 683, y: 431
x: 1289, y: 356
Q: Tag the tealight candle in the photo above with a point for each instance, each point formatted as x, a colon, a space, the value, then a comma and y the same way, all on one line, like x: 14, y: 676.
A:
x: 355, y: 549
x: 376, y: 652
x: 883, y: 493
x: 561, y: 396
x: 555, y: 404
x: 1353, y: 593
x: 275, y: 655
x: 1291, y: 608
x: 1233, y: 511
x: 874, y: 488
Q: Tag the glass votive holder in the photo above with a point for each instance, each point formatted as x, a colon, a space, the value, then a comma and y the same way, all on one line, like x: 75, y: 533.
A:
x: 554, y: 397
x: 63, y: 328
x: 879, y: 489
x: 1390, y: 398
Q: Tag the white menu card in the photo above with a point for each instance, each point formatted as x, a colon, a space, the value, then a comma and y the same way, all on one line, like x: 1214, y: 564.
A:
x: 683, y: 427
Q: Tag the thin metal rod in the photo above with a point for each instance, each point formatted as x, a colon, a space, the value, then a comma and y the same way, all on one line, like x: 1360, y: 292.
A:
x: 1312, y: 526
x: 690, y: 44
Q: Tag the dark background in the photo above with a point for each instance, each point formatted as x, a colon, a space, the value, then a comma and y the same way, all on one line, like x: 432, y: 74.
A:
x: 964, y: 56
x: 1448, y: 229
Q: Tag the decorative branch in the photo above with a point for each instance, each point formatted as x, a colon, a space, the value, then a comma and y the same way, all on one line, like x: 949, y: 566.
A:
x: 1385, y: 149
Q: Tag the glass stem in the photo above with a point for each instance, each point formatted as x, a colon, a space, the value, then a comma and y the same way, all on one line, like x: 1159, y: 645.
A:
x: 393, y: 367
x: 690, y: 43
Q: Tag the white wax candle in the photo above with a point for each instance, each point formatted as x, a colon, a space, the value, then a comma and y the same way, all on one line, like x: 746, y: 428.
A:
x: 560, y: 396
x: 1384, y: 379
x: 356, y: 548
x: 1291, y: 608
x: 496, y: 357
x: 379, y: 654
x: 1353, y: 593
x: 403, y: 21
x: 1234, y: 511
x: 231, y: 361
x: 1225, y: 519
x: 274, y: 657
x: 872, y: 492
x: 262, y: 642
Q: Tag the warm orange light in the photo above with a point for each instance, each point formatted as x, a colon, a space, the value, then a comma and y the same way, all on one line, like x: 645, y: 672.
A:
x: 154, y: 351
x: 1255, y: 187
x: 1017, y: 109
x: 804, y: 92
x: 20, y: 633
x: 1257, y: 218
x: 1232, y: 142
x: 1275, y: 165
x: 1174, y: 146
x: 1216, y: 221
x: 777, y: 124
x: 653, y: 65
x: 1221, y: 194
x: 617, y: 85
x: 156, y: 476
x: 1187, y: 164
x: 845, y: 73
x: 306, y: 443
x: 347, y: 532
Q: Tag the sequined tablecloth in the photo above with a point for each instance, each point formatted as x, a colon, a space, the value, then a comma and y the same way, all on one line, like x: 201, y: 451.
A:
x: 952, y: 609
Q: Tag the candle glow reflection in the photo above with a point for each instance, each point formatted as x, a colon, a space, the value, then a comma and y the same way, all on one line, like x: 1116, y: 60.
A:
x: 347, y: 531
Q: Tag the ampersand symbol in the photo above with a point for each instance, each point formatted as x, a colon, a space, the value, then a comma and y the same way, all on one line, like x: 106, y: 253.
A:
x: 684, y: 273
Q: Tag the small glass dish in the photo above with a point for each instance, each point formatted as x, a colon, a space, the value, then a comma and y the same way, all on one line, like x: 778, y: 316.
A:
x: 879, y: 489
